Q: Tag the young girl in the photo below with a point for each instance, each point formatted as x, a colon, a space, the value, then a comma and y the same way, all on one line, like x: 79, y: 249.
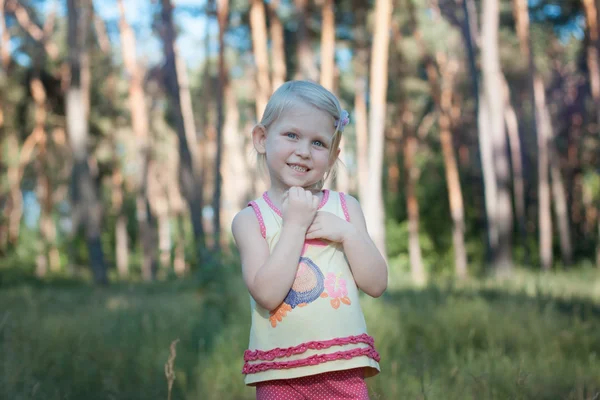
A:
x: 305, y: 253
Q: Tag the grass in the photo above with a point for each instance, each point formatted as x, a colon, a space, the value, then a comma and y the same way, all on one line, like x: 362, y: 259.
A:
x: 529, y: 338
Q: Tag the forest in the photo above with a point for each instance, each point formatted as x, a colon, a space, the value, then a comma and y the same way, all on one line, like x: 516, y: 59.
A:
x: 126, y: 151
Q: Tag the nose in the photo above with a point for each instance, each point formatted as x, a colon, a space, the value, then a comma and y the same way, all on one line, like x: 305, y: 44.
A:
x: 303, y: 149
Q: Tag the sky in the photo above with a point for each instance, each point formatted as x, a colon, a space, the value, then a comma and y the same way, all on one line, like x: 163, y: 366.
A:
x: 139, y: 16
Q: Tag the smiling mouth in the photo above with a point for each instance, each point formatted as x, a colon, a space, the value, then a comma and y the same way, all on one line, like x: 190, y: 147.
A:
x: 298, y: 168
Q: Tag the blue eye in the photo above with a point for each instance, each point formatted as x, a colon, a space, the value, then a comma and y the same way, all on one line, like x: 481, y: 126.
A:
x: 291, y: 135
x: 318, y: 143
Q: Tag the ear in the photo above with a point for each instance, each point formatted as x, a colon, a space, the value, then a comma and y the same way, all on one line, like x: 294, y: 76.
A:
x: 259, y: 137
x: 334, y: 158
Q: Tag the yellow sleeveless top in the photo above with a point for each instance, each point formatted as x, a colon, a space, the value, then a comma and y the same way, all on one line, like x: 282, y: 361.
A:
x: 319, y: 327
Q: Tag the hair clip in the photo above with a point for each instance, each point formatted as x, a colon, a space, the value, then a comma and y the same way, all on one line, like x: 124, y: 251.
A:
x: 343, y: 121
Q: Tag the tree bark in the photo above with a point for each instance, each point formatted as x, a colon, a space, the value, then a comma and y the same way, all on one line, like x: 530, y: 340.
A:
x: 190, y: 174
x: 448, y: 71
x: 258, y: 27
x: 306, y: 68
x: 492, y: 85
x: 327, y: 45
x: 373, y: 203
x: 361, y: 68
x: 86, y: 204
x: 512, y: 129
x: 140, y: 124
x: 277, y: 45
x: 223, y: 83
x: 412, y: 207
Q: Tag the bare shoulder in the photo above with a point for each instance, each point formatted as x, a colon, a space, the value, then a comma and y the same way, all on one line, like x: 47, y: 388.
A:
x: 245, y: 224
x: 251, y: 244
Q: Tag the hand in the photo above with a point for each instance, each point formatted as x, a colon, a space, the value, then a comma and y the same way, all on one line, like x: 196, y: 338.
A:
x: 299, y: 207
x: 330, y: 227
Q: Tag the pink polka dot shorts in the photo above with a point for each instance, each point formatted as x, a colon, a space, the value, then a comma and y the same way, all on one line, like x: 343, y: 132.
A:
x: 337, y: 385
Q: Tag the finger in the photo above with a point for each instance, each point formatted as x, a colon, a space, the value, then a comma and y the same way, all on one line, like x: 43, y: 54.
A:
x: 315, y: 201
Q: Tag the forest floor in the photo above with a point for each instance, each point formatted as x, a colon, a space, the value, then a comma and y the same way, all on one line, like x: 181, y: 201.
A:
x: 532, y: 337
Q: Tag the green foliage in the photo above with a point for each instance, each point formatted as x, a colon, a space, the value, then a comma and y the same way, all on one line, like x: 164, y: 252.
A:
x: 535, y: 337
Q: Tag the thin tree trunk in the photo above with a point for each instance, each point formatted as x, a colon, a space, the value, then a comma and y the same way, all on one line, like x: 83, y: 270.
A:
x: 470, y: 34
x: 512, y: 128
x: 277, y: 45
x: 442, y: 92
x: 327, y: 45
x: 541, y: 128
x: 190, y: 165
x: 139, y: 119
x: 258, y: 27
x: 223, y: 83
x: 412, y: 206
x: 6, y: 140
x: 373, y: 203
x: 121, y: 236
x: 561, y: 212
x: 361, y: 68
x: 492, y: 85
x: 306, y: 68
x: 235, y: 170
x: 448, y: 71
x: 592, y: 57
x: 544, y: 211
x: 87, y: 207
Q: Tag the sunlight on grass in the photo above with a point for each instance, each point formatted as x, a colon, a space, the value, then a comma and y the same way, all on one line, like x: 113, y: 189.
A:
x: 529, y: 338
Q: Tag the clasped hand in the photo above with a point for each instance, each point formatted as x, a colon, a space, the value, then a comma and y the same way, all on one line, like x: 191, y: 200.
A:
x: 300, y: 207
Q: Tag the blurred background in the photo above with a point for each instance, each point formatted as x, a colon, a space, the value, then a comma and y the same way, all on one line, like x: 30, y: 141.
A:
x: 473, y: 147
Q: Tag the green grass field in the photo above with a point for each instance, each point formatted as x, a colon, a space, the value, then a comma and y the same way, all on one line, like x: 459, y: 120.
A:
x: 531, y: 338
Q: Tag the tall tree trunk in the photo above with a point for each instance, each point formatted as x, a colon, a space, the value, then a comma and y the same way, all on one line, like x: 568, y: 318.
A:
x: 327, y: 45
x: 277, y: 45
x: 306, y: 68
x: 223, y: 82
x: 190, y: 174
x: 492, y: 85
x: 361, y: 68
x: 235, y: 170
x: 121, y: 236
x: 544, y: 211
x: 412, y: 207
x: 442, y: 92
x: 593, y: 63
x: 48, y: 256
x: 9, y: 144
x: 139, y: 119
x: 448, y: 70
x: 258, y: 27
x: 512, y: 129
x: 592, y: 57
x: 373, y: 202
x: 470, y: 34
x: 327, y: 79
x: 540, y: 128
x: 86, y: 204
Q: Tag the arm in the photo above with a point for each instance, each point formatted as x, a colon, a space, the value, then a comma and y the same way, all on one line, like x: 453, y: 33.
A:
x: 368, y: 266
x: 268, y: 277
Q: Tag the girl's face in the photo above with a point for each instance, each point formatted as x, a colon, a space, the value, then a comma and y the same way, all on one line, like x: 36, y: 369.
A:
x: 297, y: 146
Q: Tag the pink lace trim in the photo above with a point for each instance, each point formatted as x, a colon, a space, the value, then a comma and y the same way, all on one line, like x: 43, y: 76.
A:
x: 253, y: 355
x: 270, y: 355
x: 278, y: 212
x: 344, y: 206
x: 261, y: 222
x: 312, y: 360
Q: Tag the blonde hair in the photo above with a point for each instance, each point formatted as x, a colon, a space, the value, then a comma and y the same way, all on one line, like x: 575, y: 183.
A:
x: 312, y: 94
